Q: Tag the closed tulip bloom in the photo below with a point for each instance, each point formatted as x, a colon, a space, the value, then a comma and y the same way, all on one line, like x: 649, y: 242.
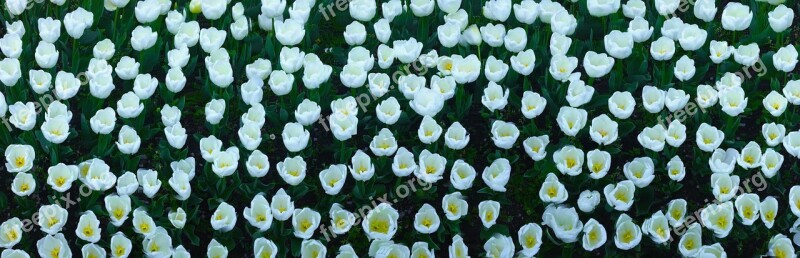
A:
x: 333, y: 178
x: 733, y: 101
x: 150, y: 183
x: 355, y: 33
x: 307, y: 112
x: 526, y: 11
x: 343, y: 127
x: 422, y: 8
x: 675, y: 169
x: 120, y: 245
x: 653, y: 98
x: 684, y: 68
x: 341, y: 220
x: 240, y: 28
x: 588, y: 200
x: 750, y: 156
x: 104, y: 49
x: 23, y: 115
x: 488, y: 211
x: 720, y: 50
x: 214, y: 110
x: 454, y: 206
x: 61, y: 176
x: 52, y: 244
x: 504, y: 134
x: 639, y: 29
x: 462, y: 175
x: 781, y: 18
x: 456, y: 136
x: 768, y: 210
x: 361, y: 166
x: 628, y: 234
x: 295, y: 137
x: 563, y: 22
x: 535, y: 146
x: 620, y: 196
x: 705, y: 10
x: 672, y: 28
x: 564, y: 221
x: 466, y: 69
x: 792, y: 91
x: 383, y: 144
x: 773, y: 133
x: 427, y: 102
x: 561, y: 67
x: 515, y: 40
x: 381, y: 222
x: 662, y: 49
x: 46, y: 55
x: 10, y: 71
x: 621, y: 104
x: 127, y: 183
x: 77, y: 21
x: 52, y: 218
x: 305, y: 221
x: 211, y: 39
x: 147, y: 11
x: 618, y: 44
x: 23, y: 184
x: 723, y: 161
x: 533, y: 104
x: 129, y: 140
x: 444, y: 85
x: 736, y: 17
x: 578, y: 93
x: 224, y: 217
x: 598, y: 163
x: 724, y: 186
x: 747, y: 55
x: 40, y: 81
x: 143, y: 37
x: 497, y: 10
x: 676, y: 99
x: 601, y: 8
x: 66, y: 85
x: 403, y: 163
x: 88, y: 227
x: 407, y: 51
x: 429, y: 130
x: 657, y: 227
x: 158, y: 244
x: 127, y: 68
x: 55, y: 130
x: 426, y: 221
x: 15, y: 28
x: 559, y: 44
x: 597, y: 65
x: 431, y: 167
x: 497, y: 174
x: 104, y: 121
x: 775, y: 103
x: 634, y: 8
x: 553, y: 191
x: 771, y: 163
x: 640, y: 171
x: 718, y: 218
x: 411, y: 84
x: 176, y: 135
x: 785, y: 59
x: 292, y: 170
x: 495, y: 69
x: 569, y: 160
x: 494, y: 98
x: 707, y: 96
x: 571, y: 120
x: 12, y: 45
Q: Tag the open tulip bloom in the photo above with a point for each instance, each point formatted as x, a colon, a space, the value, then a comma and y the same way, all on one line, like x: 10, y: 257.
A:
x: 420, y: 128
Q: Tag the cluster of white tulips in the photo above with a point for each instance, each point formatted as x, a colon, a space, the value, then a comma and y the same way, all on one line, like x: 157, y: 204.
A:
x: 120, y: 68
